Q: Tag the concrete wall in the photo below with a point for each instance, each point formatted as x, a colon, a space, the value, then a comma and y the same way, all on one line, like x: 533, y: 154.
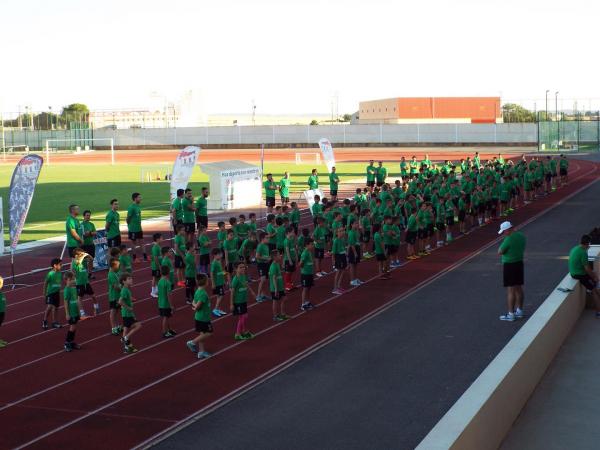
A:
x: 301, y: 135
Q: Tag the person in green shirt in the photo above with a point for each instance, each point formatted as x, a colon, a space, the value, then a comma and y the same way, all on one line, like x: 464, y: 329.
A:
x: 339, y: 250
x: 279, y: 234
x: 307, y: 273
x: 412, y: 229
x: 71, y: 311
x: 563, y: 170
x: 166, y: 260
x: 277, y: 287
x: 365, y: 230
x: 165, y: 306
x: 130, y: 324
x: 381, y: 174
x: 79, y: 266
x: 3, y: 343
x: 179, y: 248
x: 217, y: 280
x: 238, y: 302
x: 204, y: 328
x: 284, y: 188
x: 295, y: 216
x: 512, y: 251
x: 155, y: 256
x: 371, y: 172
x: 270, y: 188
x: 404, y: 167
x: 177, y: 209
x: 203, y: 250
x: 263, y: 259
x: 354, y: 252
x: 52, y: 285
x: 190, y: 272
x: 74, y: 230
x: 125, y: 259
x: 230, y: 246
x: 381, y: 255
x: 134, y: 225
x: 290, y: 257
x: 113, y: 225
x: 114, y: 291
x: 317, y: 209
x: 580, y: 269
x: 202, y: 208
x: 313, y: 180
x: 320, y: 237
x: 241, y: 229
x: 334, y: 181
x: 189, y: 215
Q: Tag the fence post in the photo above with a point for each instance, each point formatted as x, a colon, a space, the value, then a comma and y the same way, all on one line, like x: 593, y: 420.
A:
x: 273, y: 134
x: 380, y: 133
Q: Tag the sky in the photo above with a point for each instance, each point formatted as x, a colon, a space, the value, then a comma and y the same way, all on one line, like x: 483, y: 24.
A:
x: 295, y: 56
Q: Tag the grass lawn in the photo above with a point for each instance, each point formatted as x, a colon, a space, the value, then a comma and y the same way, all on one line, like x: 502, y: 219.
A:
x: 92, y: 186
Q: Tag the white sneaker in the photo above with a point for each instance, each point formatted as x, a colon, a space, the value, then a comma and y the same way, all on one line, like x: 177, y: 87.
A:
x: 318, y: 274
x: 508, y: 317
x: 153, y: 294
x: 354, y: 283
x: 519, y: 314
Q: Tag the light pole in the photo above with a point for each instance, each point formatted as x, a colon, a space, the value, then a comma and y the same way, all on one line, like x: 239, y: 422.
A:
x: 556, y: 118
x: 547, y: 92
x: 556, y: 105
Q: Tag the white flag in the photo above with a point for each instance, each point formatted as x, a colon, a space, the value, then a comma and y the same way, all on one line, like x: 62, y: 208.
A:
x: 183, y: 168
x: 20, y: 194
x: 327, y: 151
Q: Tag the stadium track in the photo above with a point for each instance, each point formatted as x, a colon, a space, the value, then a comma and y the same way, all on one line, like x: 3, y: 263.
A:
x: 49, y: 398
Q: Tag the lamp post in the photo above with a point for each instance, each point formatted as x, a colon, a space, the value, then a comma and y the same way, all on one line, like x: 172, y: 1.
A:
x: 547, y: 92
x: 556, y: 118
x: 556, y: 105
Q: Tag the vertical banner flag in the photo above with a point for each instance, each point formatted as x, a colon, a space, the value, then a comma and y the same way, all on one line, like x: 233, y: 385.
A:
x: 20, y: 194
x: 101, y: 244
x: 310, y: 197
x: 183, y: 168
x: 1, y: 228
x: 327, y: 151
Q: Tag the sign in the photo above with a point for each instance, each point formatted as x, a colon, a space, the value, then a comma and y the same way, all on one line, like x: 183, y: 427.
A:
x: 327, y: 151
x: 1, y: 228
x: 101, y: 244
x: 20, y: 194
x: 310, y: 197
x: 182, y: 169
x: 240, y: 188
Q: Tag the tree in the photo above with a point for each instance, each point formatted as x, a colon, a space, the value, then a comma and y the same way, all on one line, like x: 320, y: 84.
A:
x: 511, y: 112
x: 314, y: 122
x: 346, y: 117
x: 75, y: 112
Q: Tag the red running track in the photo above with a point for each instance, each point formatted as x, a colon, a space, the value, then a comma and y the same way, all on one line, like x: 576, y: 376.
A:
x: 100, y: 398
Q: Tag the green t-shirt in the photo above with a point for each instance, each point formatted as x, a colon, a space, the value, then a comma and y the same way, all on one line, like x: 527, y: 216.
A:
x: 381, y: 174
x: 166, y: 261
x: 114, y: 286
x: 270, y: 188
x: 70, y: 297
x: 125, y: 263
x: 284, y: 187
x: 290, y: 245
x: 319, y: 236
x: 272, y: 232
x: 352, y: 237
x: 190, y: 265
x: 221, y: 236
x: 378, y: 244
x: 203, y: 244
x: 280, y: 237
x: 317, y: 210
x: 125, y: 298
x: 247, y: 246
x: 202, y: 313
x: 113, y: 220
x: 275, y: 278
x: 155, y: 255
x: 239, y: 287
x: 388, y: 234
x: 73, y: 224
x: 306, y: 258
x: 578, y: 261
x: 2, y: 302
x: 339, y: 246
x: 201, y: 206
x: 216, y: 273
x: 134, y: 217
x: 370, y: 173
x: 53, y: 282
x: 163, y: 287
x: 242, y: 230
x: 365, y: 223
x: 189, y: 215
x: 177, y: 206
x: 179, y: 242
x: 262, y: 253
x: 513, y: 248
x: 295, y: 215
x: 333, y: 181
x: 81, y: 273
x: 231, y: 248
x: 411, y: 224
x: 313, y: 182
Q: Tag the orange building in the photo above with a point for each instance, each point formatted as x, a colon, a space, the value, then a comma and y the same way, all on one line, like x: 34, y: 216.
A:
x: 431, y: 110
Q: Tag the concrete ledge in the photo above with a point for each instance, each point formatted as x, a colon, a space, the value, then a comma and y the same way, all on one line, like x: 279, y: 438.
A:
x: 483, y: 415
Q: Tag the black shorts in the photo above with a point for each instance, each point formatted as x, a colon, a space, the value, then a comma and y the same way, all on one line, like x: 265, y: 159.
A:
x: 341, y: 261
x: 440, y: 226
x: 513, y: 274
x: 84, y: 289
x: 461, y: 216
x: 1, y: 318
x: 422, y: 233
x: 333, y: 193
x: 587, y: 281
x: 128, y: 322
x: 270, y: 201
x: 354, y: 257
x: 411, y: 237
x: 73, y: 320
x: 319, y: 253
x: 190, y: 283
x: 429, y: 229
x: 114, y: 305
x: 263, y: 269
x: 202, y: 220
x: 156, y: 273
x: 366, y: 236
x: 307, y: 280
x: 90, y: 250
x: 114, y: 241
x: 71, y: 251
x: 240, y: 309
x: 165, y: 312
x: 390, y: 249
x: 548, y: 177
x: 379, y: 183
x: 450, y: 220
x: 481, y: 208
x: 176, y: 224
x: 203, y: 327
x: 189, y: 227
x: 230, y: 268
x: 179, y: 262
x: 53, y: 299
x: 277, y: 295
x: 135, y: 235
x: 380, y: 256
x: 289, y: 267
x: 271, y: 247
x: 455, y: 201
x: 219, y: 291
x: 204, y: 260
x: 563, y: 172
x: 371, y: 183
x: 376, y: 227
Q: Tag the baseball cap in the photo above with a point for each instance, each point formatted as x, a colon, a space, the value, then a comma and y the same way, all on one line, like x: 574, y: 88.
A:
x: 505, y: 226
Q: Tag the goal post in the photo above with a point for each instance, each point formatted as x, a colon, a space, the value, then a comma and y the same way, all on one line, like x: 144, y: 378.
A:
x: 80, y: 146
x: 155, y: 172
x: 308, y: 158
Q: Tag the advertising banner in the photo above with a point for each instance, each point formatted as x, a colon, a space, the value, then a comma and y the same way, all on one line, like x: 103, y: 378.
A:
x: 1, y: 228
x: 182, y: 169
x: 240, y: 188
x: 327, y: 151
x: 101, y: 243
x: 20, y: 194
x: 310, y: 197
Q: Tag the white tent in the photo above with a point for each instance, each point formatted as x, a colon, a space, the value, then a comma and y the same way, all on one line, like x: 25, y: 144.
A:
x: 233, y: 184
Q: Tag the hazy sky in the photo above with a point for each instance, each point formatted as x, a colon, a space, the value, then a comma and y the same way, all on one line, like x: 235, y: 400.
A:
x: 294, y: 56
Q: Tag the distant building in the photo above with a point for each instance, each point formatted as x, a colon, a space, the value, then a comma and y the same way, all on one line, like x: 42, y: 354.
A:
x: 135, y: 118
x: 431, y: 110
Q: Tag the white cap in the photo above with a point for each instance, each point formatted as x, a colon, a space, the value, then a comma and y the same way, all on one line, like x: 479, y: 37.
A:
x: 505, y: 226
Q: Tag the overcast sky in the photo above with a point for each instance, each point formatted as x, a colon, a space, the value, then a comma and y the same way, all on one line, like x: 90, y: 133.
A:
x: 294, y: 56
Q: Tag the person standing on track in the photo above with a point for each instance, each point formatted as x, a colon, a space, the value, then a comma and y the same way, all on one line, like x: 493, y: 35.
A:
x: 134, y: 225
x: 130, y: 324
x: 52, y: 285
x: 71, y: 311
x: 238, y: 302
x: 512, y: 250
x: 74, y: 230
x: 203, y: 325
x: 270, y: 188
x: 177, y: 210
x: 563, y: 168
x: 371, y: 172
x: 284, y: 188
x: 381, y: 174
x: 89, y: 234
x: 334, y: 181
x: 112, y: 225
x: 202, y: 209
x: 579, y: 269
x: 313, y: 180
x: 189, y: 215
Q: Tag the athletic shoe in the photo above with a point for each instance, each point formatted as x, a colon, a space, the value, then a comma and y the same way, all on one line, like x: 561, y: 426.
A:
x: 153, y: 294
x: 216, y: 313
x: 130, y: 349
x: 354, y: 283
x: 277, y: 318
x: 167, y: 335
x: 248, y: 335
x: 68, y: 348
x: 120, y: 329
x: 181, y: 284
x: 114, y: 331
x: 519, y: 314
x: 307, y: 306
x: 75, y: 346
x: 3, y: 344
x: 173, y: 332
x: 192, y: 346
x: 188, y: 302
x: 204, y: 355
x: 318, y: 274
x: 44, y: 325
x: 56, y: 325
x: 283, y: 317
x: 96, y: 309
x: 222, y: 313
x: 238, y: 337
x: 367, y: 256
x: 508, y: 317
x: 337, y: 292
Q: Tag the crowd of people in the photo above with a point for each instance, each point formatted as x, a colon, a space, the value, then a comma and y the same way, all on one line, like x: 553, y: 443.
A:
x: 425, y: 207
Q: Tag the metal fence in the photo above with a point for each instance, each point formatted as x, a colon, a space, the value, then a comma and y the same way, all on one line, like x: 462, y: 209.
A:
x: 569, y: 135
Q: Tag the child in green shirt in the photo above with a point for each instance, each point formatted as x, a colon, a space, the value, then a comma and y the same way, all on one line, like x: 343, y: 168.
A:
x: 217, y: 280
x: 203, y: 325
x: 277, y: 287
x: 52, y: 285
x: 190, y: 272
x: 239, y: 302
x: 71, y: 311
x: 165, y: 306
x: 130, y: 324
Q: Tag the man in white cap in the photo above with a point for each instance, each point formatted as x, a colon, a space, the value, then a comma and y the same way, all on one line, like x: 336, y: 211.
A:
x: 512, y: 250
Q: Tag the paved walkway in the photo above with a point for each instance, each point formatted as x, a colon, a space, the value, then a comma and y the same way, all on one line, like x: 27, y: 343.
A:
x: 564, y: 412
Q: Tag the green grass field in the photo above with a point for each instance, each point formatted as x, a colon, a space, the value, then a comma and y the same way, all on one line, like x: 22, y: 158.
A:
x: 92, y: 186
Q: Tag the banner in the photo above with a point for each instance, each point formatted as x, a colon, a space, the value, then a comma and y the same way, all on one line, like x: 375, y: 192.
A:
x: 310, y: 197
x: 240, y: 188
x: 327, y: 151
x: 1, y: 228
x: 20, y: 194
x: 101, y: 244
x: 183, y: 168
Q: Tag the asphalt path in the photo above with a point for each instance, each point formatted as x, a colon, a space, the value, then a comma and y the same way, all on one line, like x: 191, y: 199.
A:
x: 386, y: 383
